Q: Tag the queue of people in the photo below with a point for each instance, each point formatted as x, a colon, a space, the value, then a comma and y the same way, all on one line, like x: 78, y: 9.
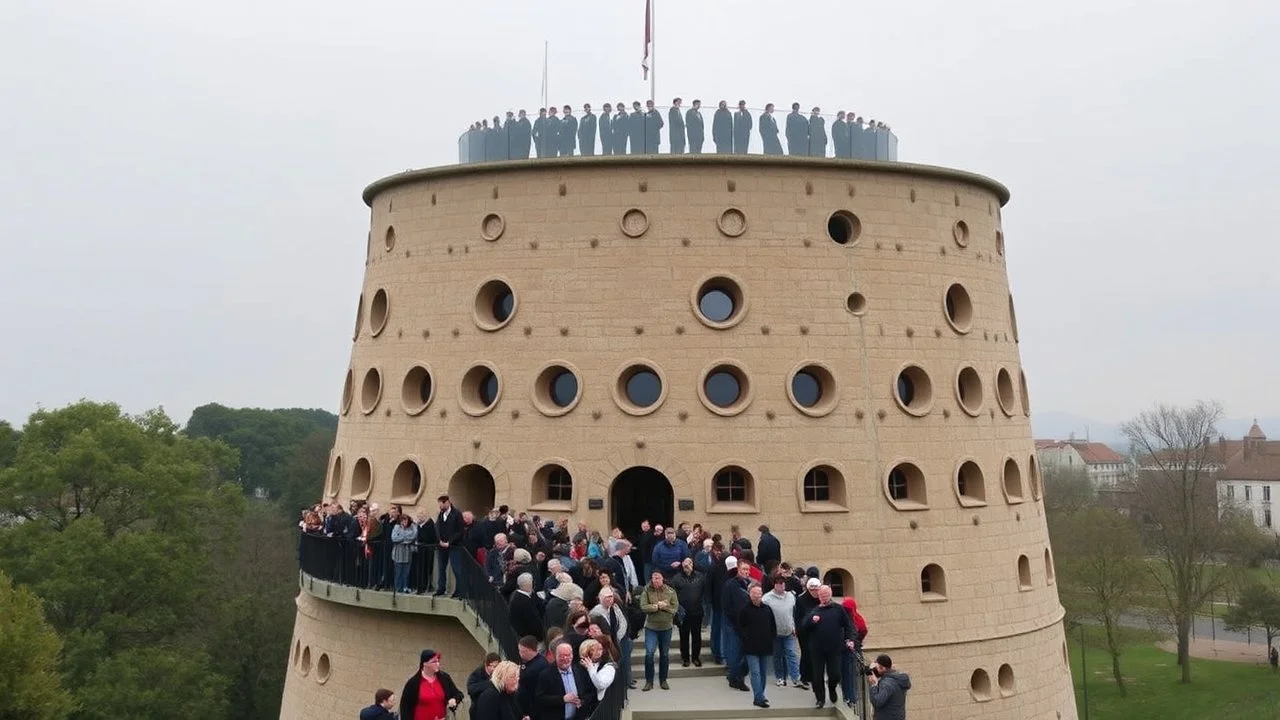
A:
x: 557, y: 132
x: 581, y: 599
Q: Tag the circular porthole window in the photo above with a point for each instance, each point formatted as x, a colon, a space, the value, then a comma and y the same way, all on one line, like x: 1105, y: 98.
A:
x: 856, y: 303
x: 379, y: 311
x: 958, y: 308
x: 980, y: 685
x: 389, y: 240
x: 417, y: 390
x: 322, y: 669
x: 913, y: 390
x: 1004, y: 391
x: 370, y: 390
x: 725, y: 388
x: 305, y: 667
x: 495, y: 305
x: 844, y: 228
x: 556, y: 390
x: 481, y: 389
x: 969, y: 390
x: 812, y: 389
x: 355, y: 335
x: 640, y: 389
x: 492, y: 227
x: 1022, y: 393
x: 718, y: 302
x: 348, y: 390
x: 1000, y: 243
x: 960, y: 231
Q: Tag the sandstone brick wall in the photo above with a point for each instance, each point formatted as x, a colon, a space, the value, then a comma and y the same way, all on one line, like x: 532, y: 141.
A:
x: 595, y: 298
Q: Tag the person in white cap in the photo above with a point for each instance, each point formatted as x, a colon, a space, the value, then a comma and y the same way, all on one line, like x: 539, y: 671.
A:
x: 805, y: 603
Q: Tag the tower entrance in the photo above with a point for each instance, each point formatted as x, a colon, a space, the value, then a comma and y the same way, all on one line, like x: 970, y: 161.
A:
x: 637, y: 494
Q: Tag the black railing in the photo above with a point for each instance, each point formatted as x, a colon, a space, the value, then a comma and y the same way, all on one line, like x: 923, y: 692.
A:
x: 346, y: 561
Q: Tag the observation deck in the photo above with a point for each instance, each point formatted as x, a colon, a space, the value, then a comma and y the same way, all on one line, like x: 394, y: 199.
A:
x: 666, y: 130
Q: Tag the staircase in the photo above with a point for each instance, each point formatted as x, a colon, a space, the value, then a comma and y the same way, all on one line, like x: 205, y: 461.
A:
x: 702, y: 693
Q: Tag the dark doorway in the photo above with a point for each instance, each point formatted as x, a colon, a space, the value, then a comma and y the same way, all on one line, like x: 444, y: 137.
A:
x: 471, y: 488
x: 640, y: 493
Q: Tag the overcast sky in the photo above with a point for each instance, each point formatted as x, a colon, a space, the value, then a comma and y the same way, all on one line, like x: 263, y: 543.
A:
x: 180, y: 181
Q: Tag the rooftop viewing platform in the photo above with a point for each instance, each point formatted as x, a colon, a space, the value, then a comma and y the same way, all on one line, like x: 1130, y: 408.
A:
x: 648, y: 129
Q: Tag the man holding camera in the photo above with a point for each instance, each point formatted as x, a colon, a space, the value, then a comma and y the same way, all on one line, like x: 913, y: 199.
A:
x: 888, y: 690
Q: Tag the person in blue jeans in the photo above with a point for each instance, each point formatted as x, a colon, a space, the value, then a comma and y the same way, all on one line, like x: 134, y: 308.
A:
x: 733, y: 598
x: 758, y: 627
x: 659, y: 603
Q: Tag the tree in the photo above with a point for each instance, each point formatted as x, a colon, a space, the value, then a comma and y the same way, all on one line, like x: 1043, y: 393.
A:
x: 1067, y: 488
x: 155, y: 683
x: 1177, y: 497
x: 29, y: 681
x: 265, y: 439
x: 305, y: 472
x: 1101, y: 572
x: 1257, y: 606
x: 8, y: 444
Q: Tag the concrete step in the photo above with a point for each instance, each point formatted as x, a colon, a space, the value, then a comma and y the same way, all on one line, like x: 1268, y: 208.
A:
x: 711, y: 698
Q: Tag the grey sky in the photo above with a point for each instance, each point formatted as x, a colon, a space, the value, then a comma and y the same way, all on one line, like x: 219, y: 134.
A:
x: 179, y: 193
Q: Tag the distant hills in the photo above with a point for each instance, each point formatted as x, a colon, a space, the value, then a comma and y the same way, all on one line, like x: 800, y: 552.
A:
x: 1060, y: 426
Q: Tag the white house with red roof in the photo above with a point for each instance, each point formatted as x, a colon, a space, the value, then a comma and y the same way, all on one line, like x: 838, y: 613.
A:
x: 1251, y: 477
x: 1106, y: 468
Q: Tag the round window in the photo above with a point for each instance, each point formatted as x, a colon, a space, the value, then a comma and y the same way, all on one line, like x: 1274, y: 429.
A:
x: 564, y: 388
x: 644, y: 388
x: 488, y: 388
x: 716, y: 304
x: 806, y: 388
x: 503, y: 304
x: 722, y: 388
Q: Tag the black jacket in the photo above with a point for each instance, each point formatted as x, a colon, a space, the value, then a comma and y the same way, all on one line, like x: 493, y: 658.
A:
x: 493, y: 704
x: 722, y: 127
x: 690, y: 589
x: 476, y: 683
x: 549, y: 696
x: 376, y: 712
x: 450, y: 530
x: 768, y: 549
x: 833, y: 628
x: 526, y: 615
x: 529, y: 674
x: 409, y: 696
x: 759, y: 629
x: 555, y: 614
x: 587, y: 134
x: 805, y: 602
x: 694, y: 126
x: 732, y: 599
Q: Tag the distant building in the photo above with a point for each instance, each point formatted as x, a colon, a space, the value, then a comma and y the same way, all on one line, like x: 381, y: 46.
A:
x: 1107, y: 469
x: 1250, y: 477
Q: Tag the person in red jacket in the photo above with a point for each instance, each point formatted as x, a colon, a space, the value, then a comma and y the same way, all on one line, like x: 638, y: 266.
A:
x: 851, y: 663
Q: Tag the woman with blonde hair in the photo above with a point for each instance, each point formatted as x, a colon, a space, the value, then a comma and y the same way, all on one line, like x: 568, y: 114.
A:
x: 498, y: 700
x: 601, y: 670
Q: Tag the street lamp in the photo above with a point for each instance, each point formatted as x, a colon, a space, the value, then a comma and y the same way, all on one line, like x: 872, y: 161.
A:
x: 1084, y: 666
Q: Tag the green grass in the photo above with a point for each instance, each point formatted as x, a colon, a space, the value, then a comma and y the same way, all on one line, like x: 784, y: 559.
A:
x: 1219, y: 690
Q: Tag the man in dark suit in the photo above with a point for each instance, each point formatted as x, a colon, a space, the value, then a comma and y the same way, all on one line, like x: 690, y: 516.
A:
x: 817, y: 134
x: 526, y: 612
x: 652, y: 128
x: 564, y: 690
x: 532, y: 663
x: 551, y: 133
x: 742, y: 124
x: 540, y: 133
x: 768, y: 550
x: 722, y: 129
x: 675, y: 116
x: 587, y: 132
x: 521, y: 138
x: 695, y: 128
x: 449, y: 528
x: 840, y: 136
x: 568, y: 132
x: 636, y: 124
x: 769, y: 132
x: 606, y: 130
x: 797, y: 132
x: 621, y: 129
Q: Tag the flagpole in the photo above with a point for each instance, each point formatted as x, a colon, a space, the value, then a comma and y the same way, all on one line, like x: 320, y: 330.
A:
x: 546, y: 45
x: 653, y: 52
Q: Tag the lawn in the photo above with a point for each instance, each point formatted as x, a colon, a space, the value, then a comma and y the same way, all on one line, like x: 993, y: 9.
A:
x: 1219, y: 690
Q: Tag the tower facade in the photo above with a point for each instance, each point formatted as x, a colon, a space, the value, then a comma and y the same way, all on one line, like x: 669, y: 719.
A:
x: 828, y: 348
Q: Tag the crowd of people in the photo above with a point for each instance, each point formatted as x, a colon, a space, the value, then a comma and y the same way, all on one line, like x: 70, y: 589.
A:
x: 580, y: 599
x: 557, y: 132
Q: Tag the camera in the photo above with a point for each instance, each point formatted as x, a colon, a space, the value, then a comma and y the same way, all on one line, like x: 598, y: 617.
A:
x: 873, y: 670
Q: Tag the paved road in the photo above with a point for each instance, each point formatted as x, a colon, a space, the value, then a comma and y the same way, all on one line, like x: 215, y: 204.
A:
x: 1204, y: 628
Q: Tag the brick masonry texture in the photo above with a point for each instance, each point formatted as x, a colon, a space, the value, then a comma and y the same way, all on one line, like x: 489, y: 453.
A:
x: 590, y: 296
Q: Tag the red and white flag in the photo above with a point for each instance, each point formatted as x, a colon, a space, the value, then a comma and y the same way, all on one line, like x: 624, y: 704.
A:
x: 648, y: 36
